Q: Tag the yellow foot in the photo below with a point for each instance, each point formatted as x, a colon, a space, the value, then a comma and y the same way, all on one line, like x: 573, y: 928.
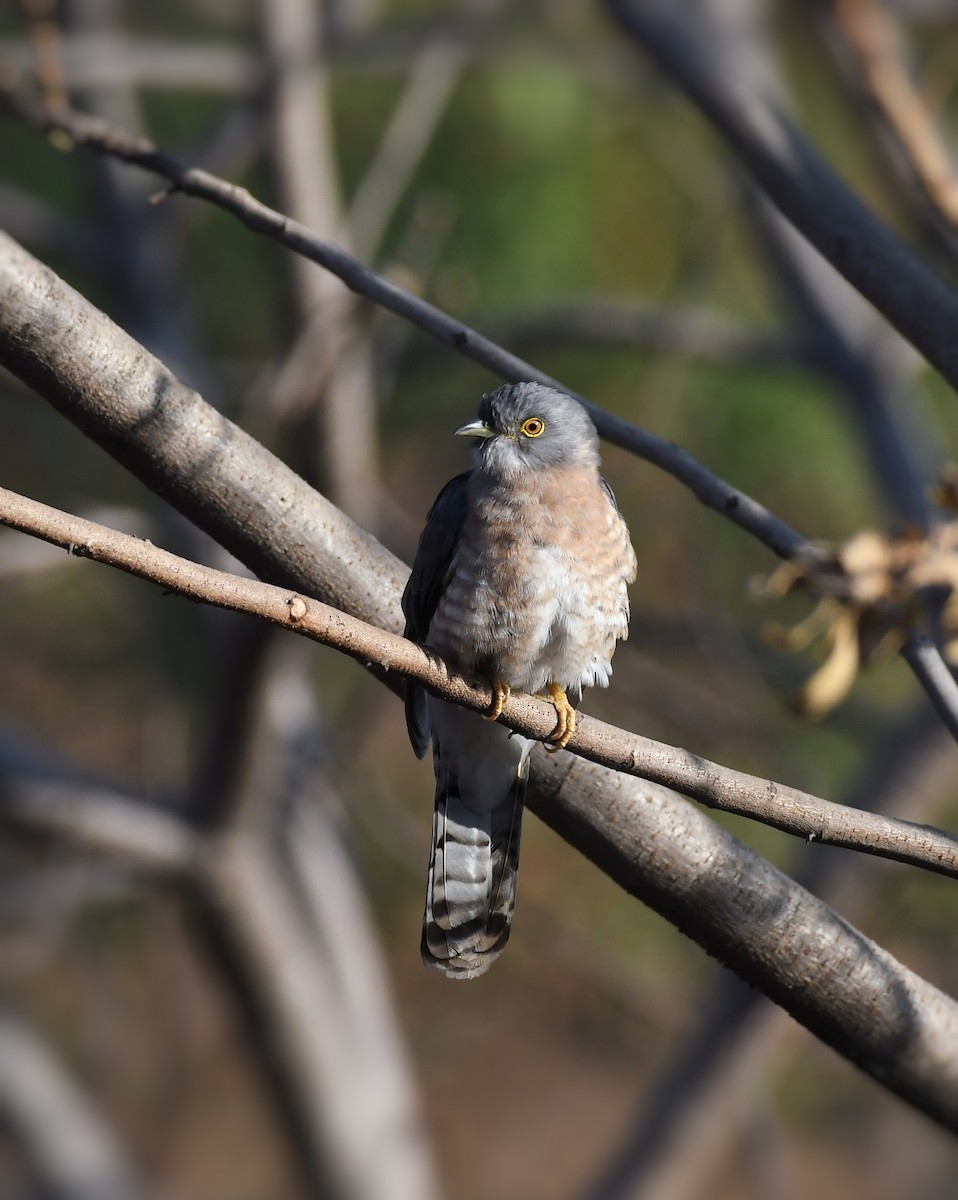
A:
x: 500, y: 697
x: 565, y: 713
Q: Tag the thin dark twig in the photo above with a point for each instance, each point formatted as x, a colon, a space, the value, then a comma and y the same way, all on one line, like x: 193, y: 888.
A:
x: 935, y: 676
x: 708, y: 489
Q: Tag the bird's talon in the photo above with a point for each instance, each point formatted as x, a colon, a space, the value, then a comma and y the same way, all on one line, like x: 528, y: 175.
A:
x: 500, y: 698
x: 560, y: 737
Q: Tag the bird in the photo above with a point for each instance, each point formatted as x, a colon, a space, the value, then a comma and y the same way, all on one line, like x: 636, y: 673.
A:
x: 521, y: 576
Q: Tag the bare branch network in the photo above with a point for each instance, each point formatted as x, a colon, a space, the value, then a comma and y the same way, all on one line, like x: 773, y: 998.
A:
x: 657, y: 846
x: 861, y: 1001
x: 711, y: 491
x: 829, y: 201
x: 251, y: 879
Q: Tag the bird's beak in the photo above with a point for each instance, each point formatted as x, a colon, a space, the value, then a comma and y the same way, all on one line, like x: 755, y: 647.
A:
x: 477, y: 429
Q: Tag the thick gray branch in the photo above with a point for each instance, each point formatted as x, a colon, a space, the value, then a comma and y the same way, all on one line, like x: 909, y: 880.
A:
x: 171, y: 439
x: 287, y: 975
x: 100, y: 821
x: 920, y: 305
x: 769, y: 930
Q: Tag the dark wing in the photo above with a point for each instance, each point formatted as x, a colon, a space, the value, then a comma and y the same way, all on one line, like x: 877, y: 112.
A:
x: 430, y: 574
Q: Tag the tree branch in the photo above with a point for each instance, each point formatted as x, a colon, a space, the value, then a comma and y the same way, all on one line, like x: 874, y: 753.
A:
x: 701, y: 1092
x: 856, y: 997
x: 707, y: 488
x: 874, y: 260
x: 70, y: 1146
x: 935, y: 676
x: 137, y: 409
x: 710, y: 490
x: 688, y: 332
x: 101, y: 821
x: 716, y: 786
x: 871, y: 38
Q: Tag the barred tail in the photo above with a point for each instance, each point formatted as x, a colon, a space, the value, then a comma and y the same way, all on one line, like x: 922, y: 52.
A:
x: 472, y: 879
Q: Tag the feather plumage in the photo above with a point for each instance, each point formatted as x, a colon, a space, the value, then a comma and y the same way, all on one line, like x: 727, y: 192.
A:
x: 521, y: 575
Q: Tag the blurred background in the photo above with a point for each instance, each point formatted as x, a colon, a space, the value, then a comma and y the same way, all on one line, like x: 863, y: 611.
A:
x: 527, y: 169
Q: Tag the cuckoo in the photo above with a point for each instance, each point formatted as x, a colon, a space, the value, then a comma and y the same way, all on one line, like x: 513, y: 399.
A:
x: 521, y: 575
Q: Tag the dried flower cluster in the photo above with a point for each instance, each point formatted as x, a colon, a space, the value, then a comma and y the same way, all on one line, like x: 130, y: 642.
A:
x: 873, y: 591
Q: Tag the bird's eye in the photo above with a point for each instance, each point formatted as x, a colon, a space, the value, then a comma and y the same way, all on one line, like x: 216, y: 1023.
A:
x: 533, y: 426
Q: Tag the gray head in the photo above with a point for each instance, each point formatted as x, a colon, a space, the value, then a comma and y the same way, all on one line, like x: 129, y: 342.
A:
x: 524, y: 426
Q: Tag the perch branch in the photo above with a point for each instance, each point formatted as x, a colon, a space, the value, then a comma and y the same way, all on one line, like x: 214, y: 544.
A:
x: 710, y: 490
x: 716, y: 786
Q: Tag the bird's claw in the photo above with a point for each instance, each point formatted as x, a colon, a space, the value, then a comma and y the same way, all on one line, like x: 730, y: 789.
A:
x: 500, y: 698
x: 560, y: 737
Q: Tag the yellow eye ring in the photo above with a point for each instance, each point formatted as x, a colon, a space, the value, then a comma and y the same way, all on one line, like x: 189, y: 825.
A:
x: 533, y: 427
